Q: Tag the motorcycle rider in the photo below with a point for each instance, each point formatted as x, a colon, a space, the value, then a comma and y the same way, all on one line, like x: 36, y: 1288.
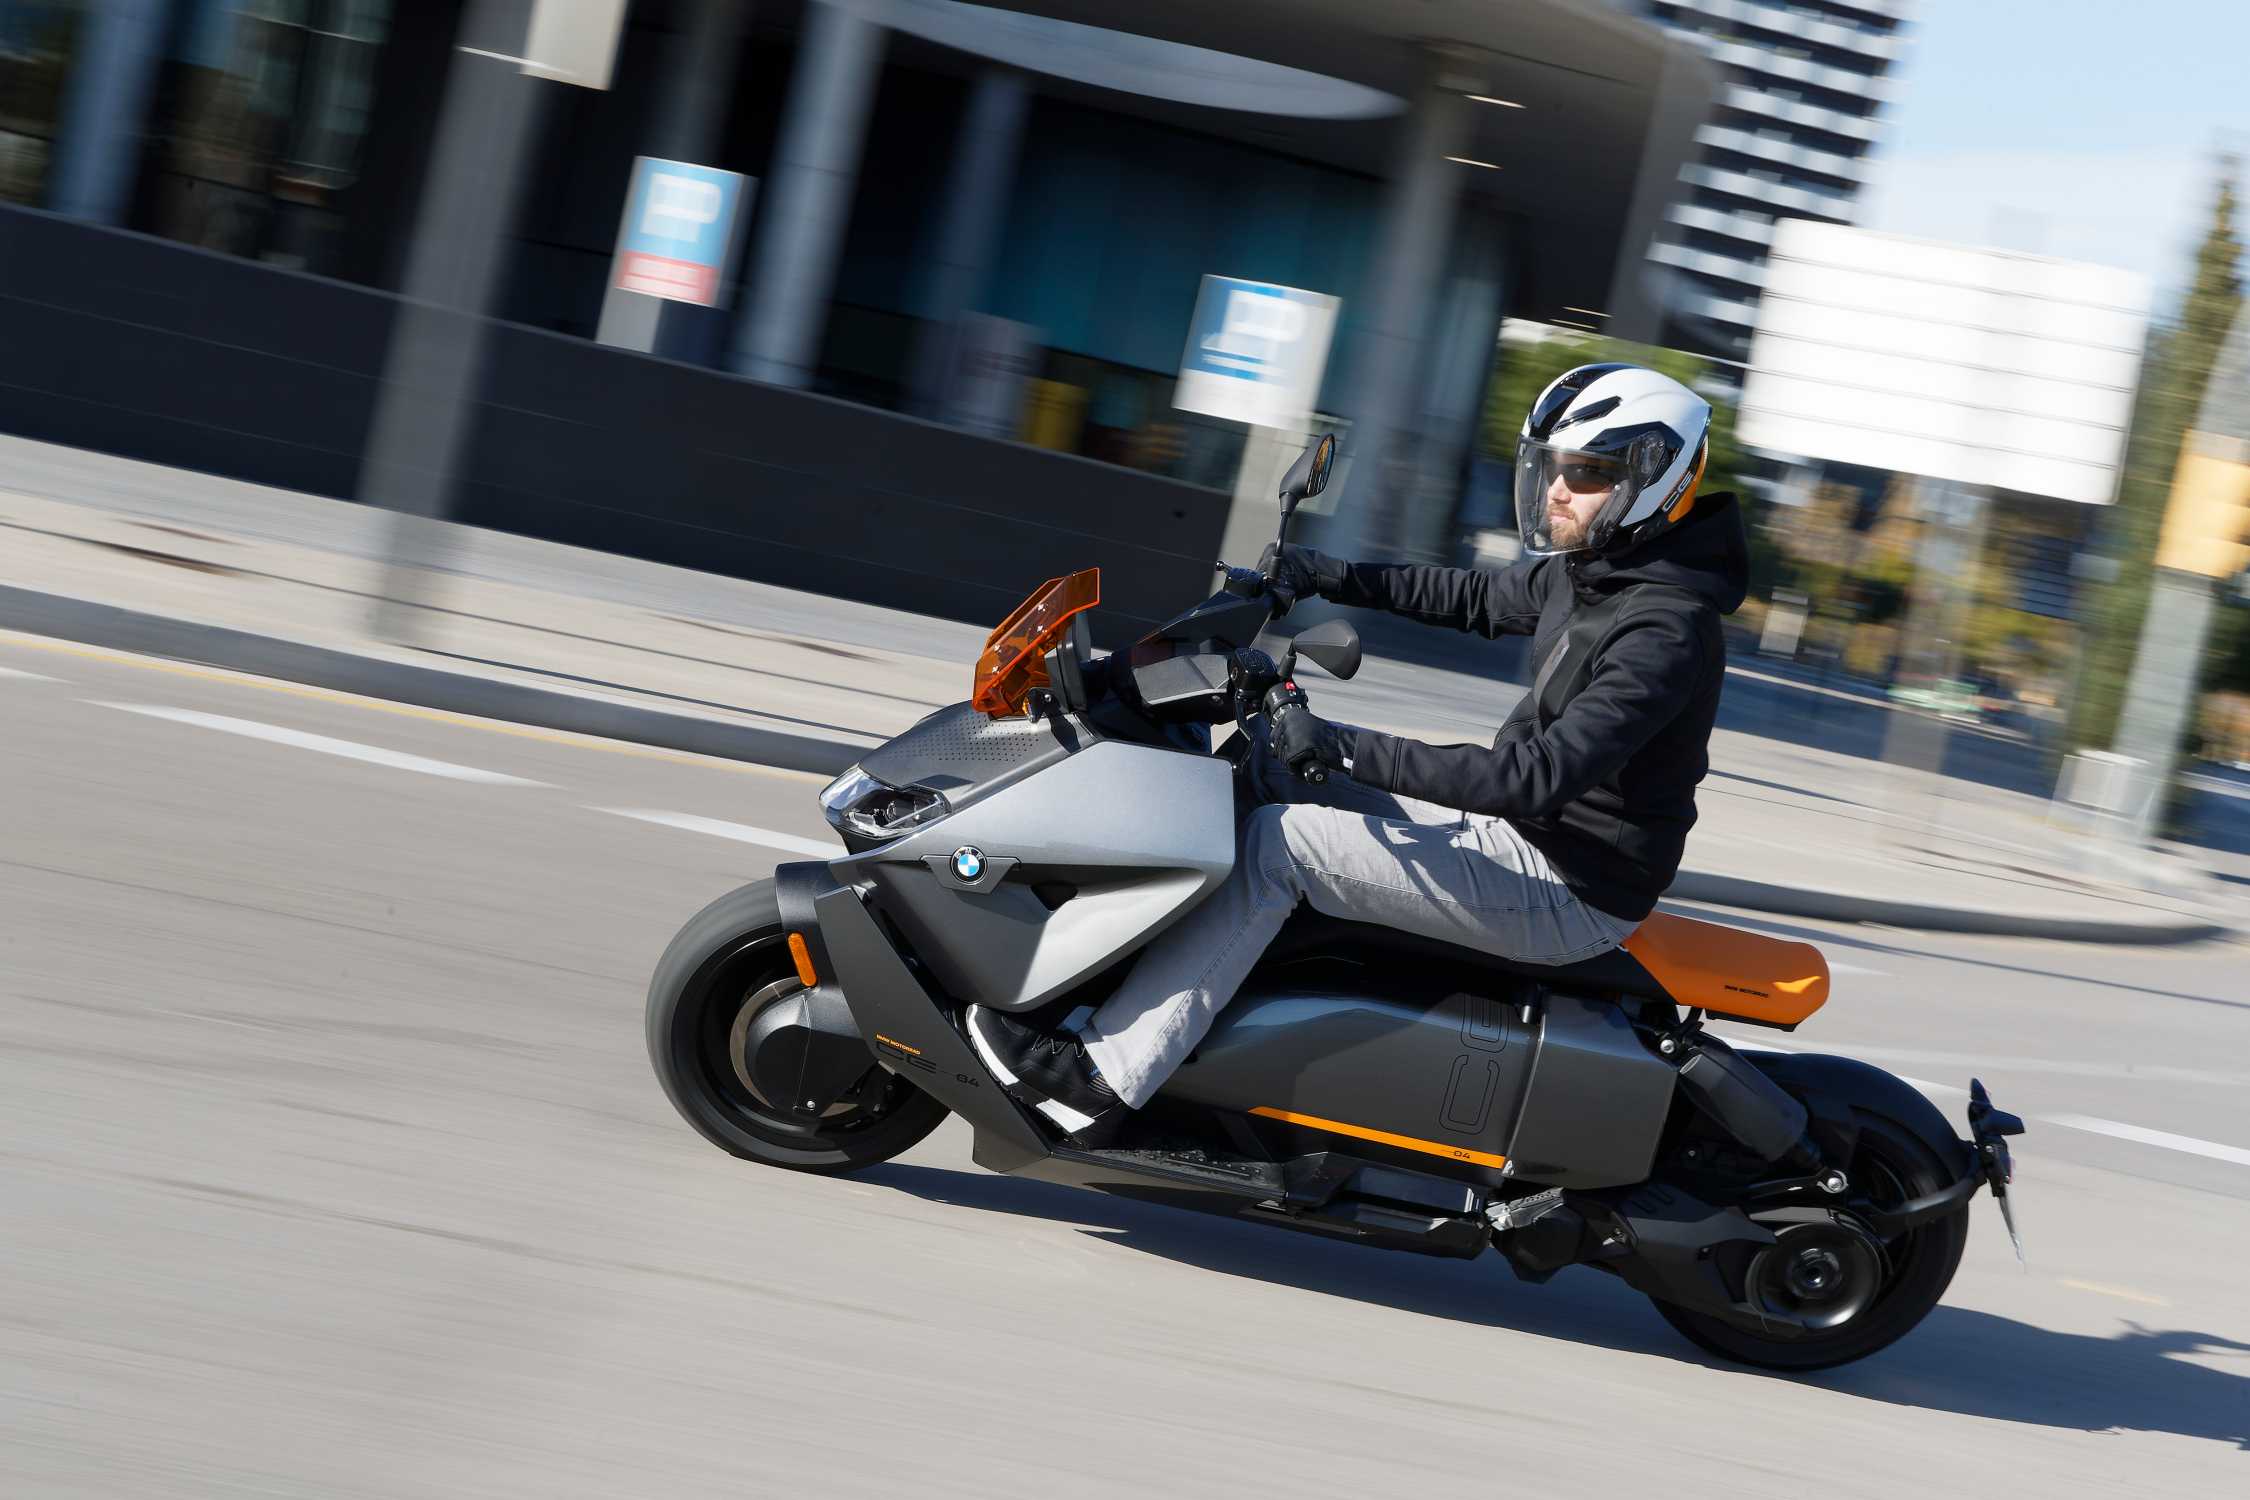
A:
x: 1551, y: 845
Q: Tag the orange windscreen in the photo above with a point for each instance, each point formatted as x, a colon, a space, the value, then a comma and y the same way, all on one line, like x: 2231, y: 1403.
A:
x: 1010, y: 666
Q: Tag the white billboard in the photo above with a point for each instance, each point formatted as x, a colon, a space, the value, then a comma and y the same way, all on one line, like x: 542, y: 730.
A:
x: 1978, y: 366
x: 573, y: 41
x: 1255, y: 352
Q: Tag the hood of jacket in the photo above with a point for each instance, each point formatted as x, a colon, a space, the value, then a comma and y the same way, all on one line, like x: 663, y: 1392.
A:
x: 1707, y: 553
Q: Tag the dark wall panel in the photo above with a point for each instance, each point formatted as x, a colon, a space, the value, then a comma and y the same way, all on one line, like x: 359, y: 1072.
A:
x: 131, y: 345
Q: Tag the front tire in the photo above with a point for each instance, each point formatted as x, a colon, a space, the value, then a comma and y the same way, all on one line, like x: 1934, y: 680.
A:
x: 730, y: 961
x: 1893, y: 1164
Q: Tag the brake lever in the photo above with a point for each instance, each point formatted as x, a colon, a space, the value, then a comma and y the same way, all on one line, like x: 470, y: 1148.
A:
x: 1243, y: 583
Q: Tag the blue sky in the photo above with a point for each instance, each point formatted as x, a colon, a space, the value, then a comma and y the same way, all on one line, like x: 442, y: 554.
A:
x: 2084, y: 129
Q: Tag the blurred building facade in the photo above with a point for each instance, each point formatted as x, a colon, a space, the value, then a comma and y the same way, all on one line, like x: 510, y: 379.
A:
x: 996, y: 217
x: 1806, y: 83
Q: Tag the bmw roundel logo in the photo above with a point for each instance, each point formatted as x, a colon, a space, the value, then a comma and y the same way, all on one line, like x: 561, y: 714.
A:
x: 968, y: 862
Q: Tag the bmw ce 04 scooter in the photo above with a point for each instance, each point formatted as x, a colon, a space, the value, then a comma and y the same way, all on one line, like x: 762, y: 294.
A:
x: 1788, y: 1210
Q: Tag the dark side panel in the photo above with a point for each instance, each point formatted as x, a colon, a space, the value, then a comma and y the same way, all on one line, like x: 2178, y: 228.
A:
x: 906, y: 1029
x: 1350, y: 1036
x: 1597, y: 1102
x: 1436, y: 1074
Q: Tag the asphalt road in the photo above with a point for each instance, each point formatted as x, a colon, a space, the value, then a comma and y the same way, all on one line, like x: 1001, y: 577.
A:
x: 332, y: 1166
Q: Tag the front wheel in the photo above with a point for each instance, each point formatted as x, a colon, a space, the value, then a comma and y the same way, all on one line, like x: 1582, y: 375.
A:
x: 728, y: 964
x: 1854, y: 1293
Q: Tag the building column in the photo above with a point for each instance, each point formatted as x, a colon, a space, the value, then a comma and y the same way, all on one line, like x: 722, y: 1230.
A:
x: 809, y: 195
x: 2161, y: 695
x: 1686, y: 97
x: 978, y: 190
x: 98, y: 144
x: 1464, y: 337
x: 1402, y: 281
x: 489, y: 111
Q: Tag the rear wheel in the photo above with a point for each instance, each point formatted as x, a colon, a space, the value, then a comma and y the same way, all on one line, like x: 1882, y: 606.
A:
x: 726, y: 966
x: 1855, y: 1293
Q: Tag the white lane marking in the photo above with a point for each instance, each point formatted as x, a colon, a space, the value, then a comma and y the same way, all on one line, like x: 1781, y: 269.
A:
x: 2124, y: 1072
x: 741, y: 833
x: 2147, y: 1137
x: 11, y: 672
x: 346, y: 749
x: 1836, y: 966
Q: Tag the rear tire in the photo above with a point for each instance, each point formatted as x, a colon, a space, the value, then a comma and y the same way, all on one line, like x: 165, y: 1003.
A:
x: 1894, y: 1164
x: 731, y: 959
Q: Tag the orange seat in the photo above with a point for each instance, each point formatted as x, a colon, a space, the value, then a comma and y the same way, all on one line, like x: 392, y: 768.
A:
x: 1729, y: 972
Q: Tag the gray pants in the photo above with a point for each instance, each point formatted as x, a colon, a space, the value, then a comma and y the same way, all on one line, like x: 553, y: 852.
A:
x: 1356, y: 854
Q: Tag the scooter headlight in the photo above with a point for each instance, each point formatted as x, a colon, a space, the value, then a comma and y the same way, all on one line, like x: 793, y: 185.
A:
x: 858, y: 803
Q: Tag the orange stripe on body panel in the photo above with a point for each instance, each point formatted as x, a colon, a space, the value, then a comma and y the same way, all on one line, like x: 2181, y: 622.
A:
x: 1730, y: 972
x: 1384, y: 1137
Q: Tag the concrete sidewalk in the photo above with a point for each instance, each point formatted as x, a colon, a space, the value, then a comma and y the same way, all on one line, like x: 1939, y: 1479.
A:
x: 134, y: 557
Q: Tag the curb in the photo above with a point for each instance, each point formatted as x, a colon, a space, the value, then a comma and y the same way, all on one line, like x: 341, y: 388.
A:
x: 118, y: 629
x: 1837, y: 906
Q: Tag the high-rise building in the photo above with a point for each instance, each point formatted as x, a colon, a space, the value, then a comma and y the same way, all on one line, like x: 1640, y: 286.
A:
x: 1806, y: 82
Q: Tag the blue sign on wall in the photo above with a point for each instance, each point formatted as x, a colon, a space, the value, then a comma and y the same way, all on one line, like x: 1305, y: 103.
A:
x: 1255, y: 351
x: 679, y: 222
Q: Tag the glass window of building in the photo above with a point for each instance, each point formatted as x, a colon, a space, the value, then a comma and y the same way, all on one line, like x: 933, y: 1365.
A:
x: 268, y: 115
x: 38, y: 39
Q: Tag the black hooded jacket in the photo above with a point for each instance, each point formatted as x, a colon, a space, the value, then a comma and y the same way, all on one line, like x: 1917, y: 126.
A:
x: 1598, y: 764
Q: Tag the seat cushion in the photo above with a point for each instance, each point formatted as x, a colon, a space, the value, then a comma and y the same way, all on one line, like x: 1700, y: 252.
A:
x: 1729, y: 972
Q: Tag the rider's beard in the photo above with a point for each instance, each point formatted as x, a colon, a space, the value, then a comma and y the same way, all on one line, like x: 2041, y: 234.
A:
x: 1565, y: 529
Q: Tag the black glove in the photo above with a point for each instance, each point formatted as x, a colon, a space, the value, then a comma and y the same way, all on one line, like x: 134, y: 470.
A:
x: 1302, y: 573
x: 1301, y: 737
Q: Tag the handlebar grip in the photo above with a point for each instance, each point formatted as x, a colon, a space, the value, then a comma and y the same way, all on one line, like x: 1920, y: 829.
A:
x: 1244, y: 583
x: 1280, y: 699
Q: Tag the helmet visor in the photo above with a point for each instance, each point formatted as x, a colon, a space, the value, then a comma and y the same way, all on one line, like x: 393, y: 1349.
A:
x: 1561, y: 494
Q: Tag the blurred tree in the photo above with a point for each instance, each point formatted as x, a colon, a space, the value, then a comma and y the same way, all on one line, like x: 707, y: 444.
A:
x: 2173, y: 374
x: 2225, y: 727
x: 2014, y: 629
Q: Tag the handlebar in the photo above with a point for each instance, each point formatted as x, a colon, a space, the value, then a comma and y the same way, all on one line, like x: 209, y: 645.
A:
x: 1263, y: 685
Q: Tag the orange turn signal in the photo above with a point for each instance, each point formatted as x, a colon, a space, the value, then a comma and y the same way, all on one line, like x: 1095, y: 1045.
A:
x: 803, y: 956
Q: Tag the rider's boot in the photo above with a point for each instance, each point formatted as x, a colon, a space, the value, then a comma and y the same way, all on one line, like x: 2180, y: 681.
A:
x: 1049, y: 1071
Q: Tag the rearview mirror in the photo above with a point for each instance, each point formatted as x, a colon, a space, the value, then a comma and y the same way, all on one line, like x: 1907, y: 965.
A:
x: 1332, y: 646
x: 1308, y: 476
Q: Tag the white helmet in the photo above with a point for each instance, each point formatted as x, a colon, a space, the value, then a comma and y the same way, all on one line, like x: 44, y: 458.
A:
x: 1640, y: 435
